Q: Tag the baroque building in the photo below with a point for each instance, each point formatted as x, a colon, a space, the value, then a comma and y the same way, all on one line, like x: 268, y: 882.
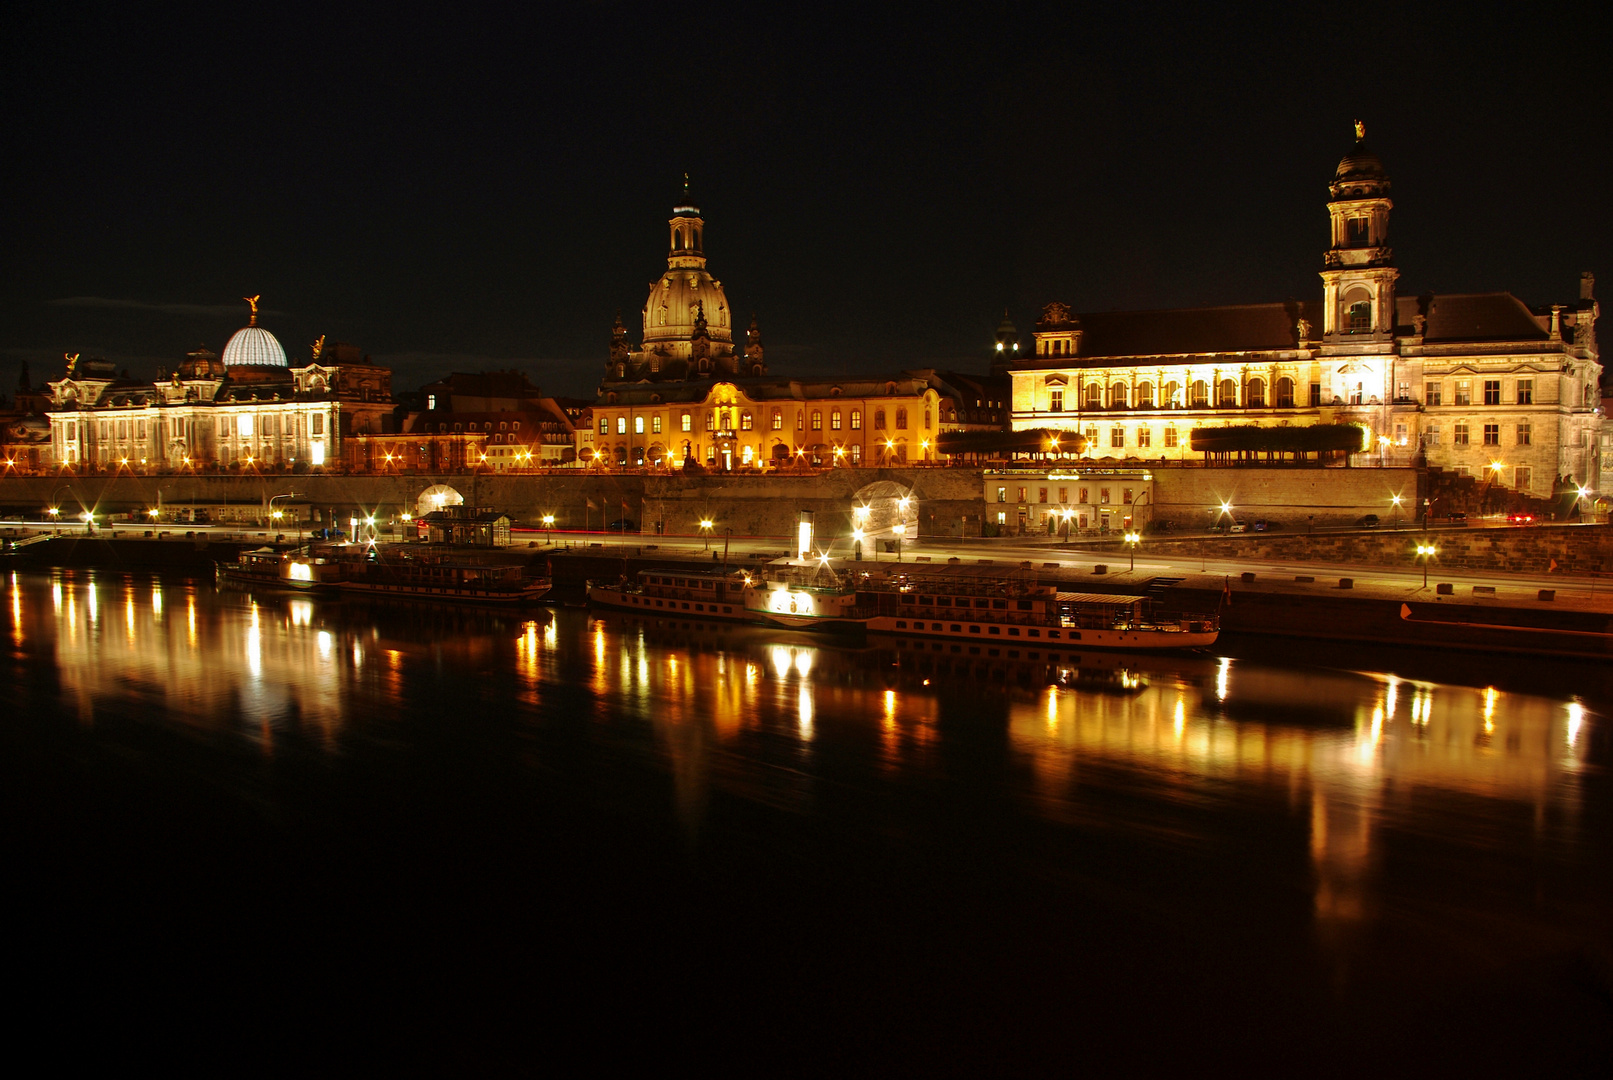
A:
x: 1479, y: 384
x: 249, y: 406
x: 688, y: 395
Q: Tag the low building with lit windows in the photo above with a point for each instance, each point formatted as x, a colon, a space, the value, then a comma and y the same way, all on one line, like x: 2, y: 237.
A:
x: 1067, y: 499
x: 246, y: 408
x: 1478, y: 384
x: 493, y: 420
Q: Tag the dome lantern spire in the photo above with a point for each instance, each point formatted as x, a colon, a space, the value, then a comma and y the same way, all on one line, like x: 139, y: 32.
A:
x: 252, y: 302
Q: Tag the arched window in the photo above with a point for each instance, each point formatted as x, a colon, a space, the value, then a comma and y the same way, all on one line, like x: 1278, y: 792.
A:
x: 1145, y: 395
x: 778, y: 420
x: 1255, y: 398
x: 901, y: 419
x: 1094, y: 396
x: 1285, y: 393
x: 638, y: 425
x: 1173, y: 394
x: 817, y: 419
x: 1201, y: 393
x: 879, y: 419
x: 745, y: 421
x: 686, y: 422
x: 1228, y: 396
x: 1117, y: 395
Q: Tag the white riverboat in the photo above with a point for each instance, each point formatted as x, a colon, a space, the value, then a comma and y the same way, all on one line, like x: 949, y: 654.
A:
x: 1019, y: 612
x: 805, y: 598
x: 270, y: 568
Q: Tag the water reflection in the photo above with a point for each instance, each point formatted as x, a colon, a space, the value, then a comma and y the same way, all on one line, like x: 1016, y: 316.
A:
x: 789, y: 722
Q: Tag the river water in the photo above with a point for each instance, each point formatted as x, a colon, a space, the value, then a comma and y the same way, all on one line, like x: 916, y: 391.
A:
x: 469, y: 837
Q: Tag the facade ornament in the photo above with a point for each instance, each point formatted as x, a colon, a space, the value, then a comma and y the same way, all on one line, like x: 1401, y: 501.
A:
x: 1360, y: 131
x: 1302, y: 331
x: 252, y: 301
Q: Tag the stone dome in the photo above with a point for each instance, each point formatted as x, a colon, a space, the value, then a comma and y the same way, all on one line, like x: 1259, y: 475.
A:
x: 253, y: 346
x: 674, y: 302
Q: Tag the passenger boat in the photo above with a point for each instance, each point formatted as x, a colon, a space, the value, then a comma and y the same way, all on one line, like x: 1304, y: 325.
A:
x: 701, y: 593
x: 270, y: 568
x: 442, y: 578
x: 1022, y: 613
x: 803, y: 599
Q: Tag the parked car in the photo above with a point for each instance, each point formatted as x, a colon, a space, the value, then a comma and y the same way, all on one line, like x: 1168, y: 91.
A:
x: 622, y: 525
x: 1522, y: 518
x: 1459, y: 518
x: 1260, y: 525
x: 1238, y: 527
x: 1370, y: 521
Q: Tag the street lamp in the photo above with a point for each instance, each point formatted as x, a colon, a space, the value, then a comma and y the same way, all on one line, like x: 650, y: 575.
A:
x: 857, y: 538
x: 548, y: 525
x: 1069, y: 515
x: 1131, y: 542
x: 705, y: 527
x: 901, y: 530
x: 1426, y: 552
x: 1395, y: 502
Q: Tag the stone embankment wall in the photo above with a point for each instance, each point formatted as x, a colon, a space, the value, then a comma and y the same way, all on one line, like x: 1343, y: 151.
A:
x: 1295, y: 498
x: 1574, y: 548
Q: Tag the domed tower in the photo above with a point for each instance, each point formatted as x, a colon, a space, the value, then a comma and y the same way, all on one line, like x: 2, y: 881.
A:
x: 686, y: 293
x: 1359, y: 276
x: 252, y: 345
x: 1007, y: 350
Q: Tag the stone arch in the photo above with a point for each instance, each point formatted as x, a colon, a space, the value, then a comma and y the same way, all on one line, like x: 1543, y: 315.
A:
x: 436, y: 497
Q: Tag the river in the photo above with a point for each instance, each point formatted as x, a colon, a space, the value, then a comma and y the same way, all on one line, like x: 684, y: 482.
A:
x: 469, y: 838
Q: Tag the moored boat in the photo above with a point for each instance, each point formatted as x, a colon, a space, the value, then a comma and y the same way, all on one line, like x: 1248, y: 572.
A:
x: 805, y: 599
x: 445, y: 579
x: 271, y: 568
x: 698, y: 593
x: 1022, y: 612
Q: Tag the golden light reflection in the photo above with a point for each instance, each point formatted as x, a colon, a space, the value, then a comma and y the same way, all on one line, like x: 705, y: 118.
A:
x: 1576, y: 720
x: 92, y: 603
x: 1052, y: 710
x: 324, y: 644
x: 156, y: 602
x: 16, y: 612
x: 1490, y: 696
x: 803, y: 661
x: 254, y: 645
x: 889, y: 719
x: 56, y: 595
x: 782, y: 661
x: 302, y: 612
x: 1223, y: 673
x: 804, y: 706
x: 190, y: 621
x: 1391, y: 699
x: 1181, y: 717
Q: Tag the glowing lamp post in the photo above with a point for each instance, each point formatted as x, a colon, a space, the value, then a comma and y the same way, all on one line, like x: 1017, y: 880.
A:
x: 1132, y: 539
x: 548, y: 525
x: 1426, y: 552
x: 705, y: 527
x: 857, y: 539
x: 1395, y: 504
x: 901, y: 531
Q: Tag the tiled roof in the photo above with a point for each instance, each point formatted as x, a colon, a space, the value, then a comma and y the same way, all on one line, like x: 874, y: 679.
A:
x: 1241, y: 328
x: 1461, y: 317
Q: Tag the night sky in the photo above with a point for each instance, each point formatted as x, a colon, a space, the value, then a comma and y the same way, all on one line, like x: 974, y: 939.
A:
x: 485, y: 189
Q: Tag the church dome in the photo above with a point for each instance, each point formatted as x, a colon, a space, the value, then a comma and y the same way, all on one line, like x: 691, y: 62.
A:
x: 1359, y: 164
x: 253, y: 346
x: 683, y: 294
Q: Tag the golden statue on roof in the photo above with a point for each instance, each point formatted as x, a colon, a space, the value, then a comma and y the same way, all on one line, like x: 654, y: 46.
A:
x: 253, y: 302
x: 1360, y: 131
x: 319, y: 347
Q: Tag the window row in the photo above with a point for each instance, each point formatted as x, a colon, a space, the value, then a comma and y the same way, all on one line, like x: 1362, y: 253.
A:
x: 1084, y: 495
x: 1490, y: 434
x: 1119, y: 395
x: 724, y: 420
x: 1523, y: 392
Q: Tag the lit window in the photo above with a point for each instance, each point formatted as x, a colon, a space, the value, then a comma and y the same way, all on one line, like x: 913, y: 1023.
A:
x: 834, y: 420
x: 1526, y: 391
x: 638, y: 425
x: 856, y: 419
x: 1492, y: 391
x: 686, y: 422
x: 1055, y: 400
x: 1431, y: 393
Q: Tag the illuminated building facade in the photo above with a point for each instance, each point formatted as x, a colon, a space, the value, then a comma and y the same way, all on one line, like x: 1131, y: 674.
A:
x: 493, y: 420
x: 1479, y: 384
x: 248, y: 408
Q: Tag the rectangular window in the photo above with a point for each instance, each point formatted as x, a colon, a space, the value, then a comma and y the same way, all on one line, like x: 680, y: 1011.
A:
x: 817, y: 419
x: 1103, y: 496
x: 1064, y: 495
x: 901, y: 419
x: 1085, y: 495
x: 1002, y: 517
x: 1170, y: 435
x: 1404, y: 393
x: 800, y: 420
x: 1492, y: 391
x: 638, y: 425
x: 1145, y: 437
x: 1431, y: 435
x: 1464, y: 392
x: 1400, y: 434
x: 1117, y: 436
x: 604, y: 425
x: 1459, y: 435
x: 745, y: 421
x: 1041, y: 495
x: 1316, y: 396
x: 1022, y: 494
x: 1526, y: 391
x: 655, y: 425
x: 319, y: 423
x: 1492, y: 434
x: 1002, y: 494
x: 1526, y: 434
x: 834, y: 420
x: 1431, y: 393
x: 1055, y: 400
x: 686, y: 422
x: 856, y: 453
x: 1521, y: 477
x: 621, y: 425
x: 711, y: 421
x: 856, y: 420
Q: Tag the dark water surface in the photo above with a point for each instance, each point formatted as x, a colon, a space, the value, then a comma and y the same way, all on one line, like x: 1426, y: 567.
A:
x: 330, y: 832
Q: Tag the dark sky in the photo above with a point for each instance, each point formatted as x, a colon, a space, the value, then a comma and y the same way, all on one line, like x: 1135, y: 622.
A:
x: 485, y: 188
